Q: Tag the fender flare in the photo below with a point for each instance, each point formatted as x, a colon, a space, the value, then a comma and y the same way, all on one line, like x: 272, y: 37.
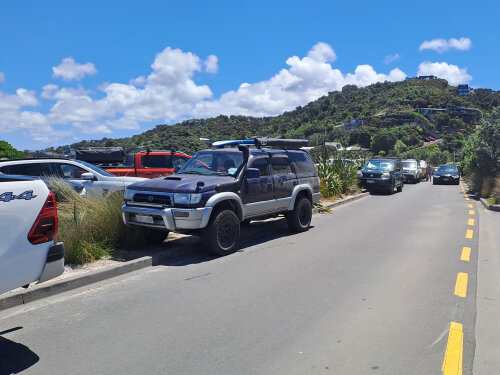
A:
x: 295, y: 193
x: 224, y: 196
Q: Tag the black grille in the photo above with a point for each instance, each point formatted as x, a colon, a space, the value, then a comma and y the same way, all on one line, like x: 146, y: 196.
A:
x: 150, y: 198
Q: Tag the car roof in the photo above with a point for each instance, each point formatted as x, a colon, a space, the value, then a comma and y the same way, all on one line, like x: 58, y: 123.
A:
x: 253, y: 151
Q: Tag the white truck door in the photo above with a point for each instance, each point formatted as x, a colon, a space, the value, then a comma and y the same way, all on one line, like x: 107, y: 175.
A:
x: 20, y: 262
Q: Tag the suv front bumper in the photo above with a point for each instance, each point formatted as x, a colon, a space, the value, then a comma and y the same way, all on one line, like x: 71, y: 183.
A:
x: 172, y: 219
x: 373, y: 183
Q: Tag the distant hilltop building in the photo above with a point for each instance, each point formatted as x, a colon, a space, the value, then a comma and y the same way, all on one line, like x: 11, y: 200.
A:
x: 426, y: 78
x: 463, y: 90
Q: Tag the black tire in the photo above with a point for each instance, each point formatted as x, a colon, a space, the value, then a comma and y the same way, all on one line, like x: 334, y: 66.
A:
x: 299, y: 220
x: 245, y: 222
x: 400, y: 187
x: 221, y: 235
x: 390, y: 191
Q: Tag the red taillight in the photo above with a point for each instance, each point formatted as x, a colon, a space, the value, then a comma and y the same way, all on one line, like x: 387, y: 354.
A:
x: 45, y: 227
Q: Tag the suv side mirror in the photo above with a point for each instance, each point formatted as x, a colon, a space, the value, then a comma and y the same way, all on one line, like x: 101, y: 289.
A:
x: 87, y: 176
x: 253, y: 173
x: 176, y: 168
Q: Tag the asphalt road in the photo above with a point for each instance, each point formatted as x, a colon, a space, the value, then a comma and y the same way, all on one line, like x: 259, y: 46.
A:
x: 369, y: 289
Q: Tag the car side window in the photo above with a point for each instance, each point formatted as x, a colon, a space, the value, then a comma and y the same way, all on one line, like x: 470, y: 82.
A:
x: 29, y: 169
x: 156, y: 161
x: 178, y: 160
x: 262, y: 165
x: 281, y: 166
x: 69, y: 171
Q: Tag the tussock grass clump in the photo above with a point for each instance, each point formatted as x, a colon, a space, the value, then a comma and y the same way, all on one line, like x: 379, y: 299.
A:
x: 92, y: 226
x: 337, y: 177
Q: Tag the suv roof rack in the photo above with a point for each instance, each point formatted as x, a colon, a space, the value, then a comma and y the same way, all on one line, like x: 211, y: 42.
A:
x: 287, y: 144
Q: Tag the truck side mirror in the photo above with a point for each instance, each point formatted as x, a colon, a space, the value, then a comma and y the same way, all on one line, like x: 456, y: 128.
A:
x: 87, y: 176
x: 253, y: 173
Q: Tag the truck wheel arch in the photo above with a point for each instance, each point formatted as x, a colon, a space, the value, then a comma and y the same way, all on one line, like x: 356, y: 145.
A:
x: 227, y: 200
x: 299, y: 191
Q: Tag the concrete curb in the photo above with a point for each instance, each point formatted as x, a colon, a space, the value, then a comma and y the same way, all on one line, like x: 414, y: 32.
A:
x: 345, y: 200
x: 491, y: 207
x: 48, y: 289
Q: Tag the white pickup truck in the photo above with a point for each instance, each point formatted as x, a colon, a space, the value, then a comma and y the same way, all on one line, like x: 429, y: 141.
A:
x: 28, y: 226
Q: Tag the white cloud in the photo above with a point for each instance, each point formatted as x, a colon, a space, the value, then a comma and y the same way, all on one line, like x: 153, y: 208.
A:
x: 211, y: 64
x: 391, y: 58
x: 452, y: 73
x: 2, y: 77
x: 169, y: 93
x: 443, y: 45
x: 305, y: 80
x: 69, y: 70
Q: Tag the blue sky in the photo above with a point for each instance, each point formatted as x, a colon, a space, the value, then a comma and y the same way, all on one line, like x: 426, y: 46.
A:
x: 85, y: 70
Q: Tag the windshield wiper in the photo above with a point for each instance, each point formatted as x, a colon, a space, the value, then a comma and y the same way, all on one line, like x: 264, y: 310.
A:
x: 189, y: 172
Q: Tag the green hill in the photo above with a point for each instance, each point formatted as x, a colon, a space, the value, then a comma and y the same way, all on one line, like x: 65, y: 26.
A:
x: 377, y: 116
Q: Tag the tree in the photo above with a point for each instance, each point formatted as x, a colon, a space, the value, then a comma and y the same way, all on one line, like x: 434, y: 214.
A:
x: 9, y: 152
x: 384, y: 140
x: 481, y: 152
x: 399, y: 147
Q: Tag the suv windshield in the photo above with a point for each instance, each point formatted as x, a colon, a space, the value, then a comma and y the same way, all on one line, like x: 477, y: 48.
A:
x: 410, y: 164
x: 447, y: 168
x: 214, y: 163
x: 384, y: 165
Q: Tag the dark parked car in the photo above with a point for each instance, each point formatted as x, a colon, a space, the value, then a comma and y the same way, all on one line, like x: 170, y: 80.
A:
x: 382, y: 175
x: 218, y: 190
x: 446, y: 174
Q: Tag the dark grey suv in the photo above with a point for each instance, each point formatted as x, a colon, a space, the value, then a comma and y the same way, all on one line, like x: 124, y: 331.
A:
x: 219, y: 189
x: 382, y: 174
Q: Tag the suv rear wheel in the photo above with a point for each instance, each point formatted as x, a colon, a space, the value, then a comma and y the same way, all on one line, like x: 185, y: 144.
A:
x: 299, y: 220
x: 222, y: 233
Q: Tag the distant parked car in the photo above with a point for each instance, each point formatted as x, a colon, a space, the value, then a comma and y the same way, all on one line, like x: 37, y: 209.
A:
x: 446, y: 174
x: 411, y: 171
x: 95, y: 180
x: 382, y: 175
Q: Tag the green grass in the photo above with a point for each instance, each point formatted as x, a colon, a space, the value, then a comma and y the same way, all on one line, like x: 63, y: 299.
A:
x: 91, y: 227
x: 493, y: 199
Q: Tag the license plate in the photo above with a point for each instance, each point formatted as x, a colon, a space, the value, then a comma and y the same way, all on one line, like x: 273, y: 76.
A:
x: 370, y: 181
x: 445, y: 179
x: 145, y: 219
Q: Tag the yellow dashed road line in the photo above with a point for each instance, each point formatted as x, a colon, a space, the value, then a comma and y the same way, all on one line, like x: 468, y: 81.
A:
x: 470, y: 222
x: 465, y: 254
x: 470, y: 206
x: 469, y: 233
x: 471, y: 212
x: 452, y: 363
x: 461, y: 284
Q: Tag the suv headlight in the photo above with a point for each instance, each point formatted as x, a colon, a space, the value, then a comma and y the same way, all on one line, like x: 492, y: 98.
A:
x: 386, y: 175
x: 359, y: 174
x: 456, y: 176
x: 185, y: 198
x: 129, y: 194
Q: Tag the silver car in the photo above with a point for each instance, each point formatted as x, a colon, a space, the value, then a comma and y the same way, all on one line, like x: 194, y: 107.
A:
x: 411, y: 171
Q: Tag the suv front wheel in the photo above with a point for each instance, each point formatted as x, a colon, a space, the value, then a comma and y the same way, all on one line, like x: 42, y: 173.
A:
x: 222, y: 233
x: 299, y: 220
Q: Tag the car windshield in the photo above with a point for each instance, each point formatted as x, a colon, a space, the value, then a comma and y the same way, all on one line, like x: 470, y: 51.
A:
x: 96, y: 169
x: 447, y: 168
x: 410, y: 164
x: 214, y: 163
x: 384, y: 165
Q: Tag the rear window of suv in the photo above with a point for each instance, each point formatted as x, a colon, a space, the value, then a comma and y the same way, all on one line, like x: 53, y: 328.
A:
x: 302, y: 162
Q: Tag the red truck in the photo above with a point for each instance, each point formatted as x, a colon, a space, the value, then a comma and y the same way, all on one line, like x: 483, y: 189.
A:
x: 147, y: 164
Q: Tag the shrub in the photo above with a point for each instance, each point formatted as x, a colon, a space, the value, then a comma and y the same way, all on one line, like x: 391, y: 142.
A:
x: 90, y: 227
x: 337, y: 178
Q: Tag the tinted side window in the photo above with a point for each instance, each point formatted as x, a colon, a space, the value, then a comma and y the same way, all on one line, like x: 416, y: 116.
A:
x: 178, y: 160
x: 129, y: 160
x: 28, y: 169
x: 68, y: 171
x: 157, y: 161
x: 281, y: 166
x: 262, y: 165
x: 302, y: 162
